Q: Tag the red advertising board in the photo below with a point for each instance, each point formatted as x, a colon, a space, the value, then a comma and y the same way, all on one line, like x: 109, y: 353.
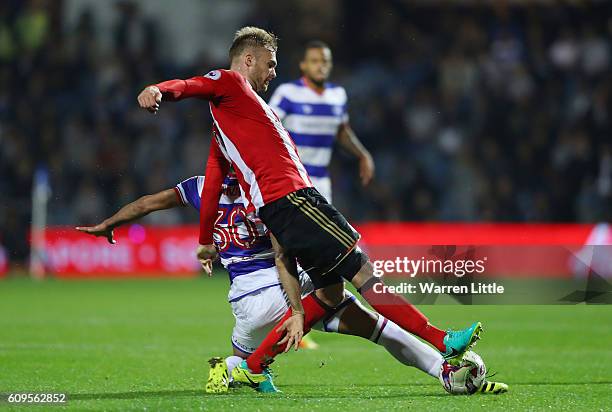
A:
x: 474, y: 234
x: 510, y: 249
x: 3, y: 262
x: 139, y: 251
x: 505, y: 249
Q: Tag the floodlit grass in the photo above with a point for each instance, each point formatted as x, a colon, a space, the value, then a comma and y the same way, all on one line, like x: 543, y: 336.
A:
x: 143, y: 344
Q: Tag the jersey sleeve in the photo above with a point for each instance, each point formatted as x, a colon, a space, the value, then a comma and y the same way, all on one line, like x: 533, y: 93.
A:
x: 189, y: 191
x: 217, y: 167
x: 279, y: 102
x: 209, y: 87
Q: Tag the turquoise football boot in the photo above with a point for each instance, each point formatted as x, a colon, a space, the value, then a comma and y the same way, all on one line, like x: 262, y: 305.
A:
x: 262, y: 382
x: 267, y: 386
x: 457, y: 342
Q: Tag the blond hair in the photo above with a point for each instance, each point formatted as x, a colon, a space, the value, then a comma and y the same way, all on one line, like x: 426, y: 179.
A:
x: 252, y: 37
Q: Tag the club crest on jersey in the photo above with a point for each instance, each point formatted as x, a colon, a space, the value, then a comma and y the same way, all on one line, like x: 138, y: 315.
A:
x: 213, y: 75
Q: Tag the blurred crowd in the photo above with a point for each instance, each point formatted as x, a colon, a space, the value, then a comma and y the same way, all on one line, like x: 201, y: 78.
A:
x: 472, y: 112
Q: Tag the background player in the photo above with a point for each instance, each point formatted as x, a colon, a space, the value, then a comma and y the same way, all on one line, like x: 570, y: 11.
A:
x: 315, y: 114
x: 257, y: 299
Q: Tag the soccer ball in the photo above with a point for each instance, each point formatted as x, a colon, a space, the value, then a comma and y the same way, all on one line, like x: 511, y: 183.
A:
x: 466, y: 378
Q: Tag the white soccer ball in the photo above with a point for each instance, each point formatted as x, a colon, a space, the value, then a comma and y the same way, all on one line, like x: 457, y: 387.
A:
x: 466, y: 378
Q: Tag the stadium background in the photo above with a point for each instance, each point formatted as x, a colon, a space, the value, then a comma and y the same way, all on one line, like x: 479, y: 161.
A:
x: 473, y: 111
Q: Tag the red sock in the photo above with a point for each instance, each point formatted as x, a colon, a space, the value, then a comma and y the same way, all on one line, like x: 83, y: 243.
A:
x: 268, y: 349
x: 402, y: 312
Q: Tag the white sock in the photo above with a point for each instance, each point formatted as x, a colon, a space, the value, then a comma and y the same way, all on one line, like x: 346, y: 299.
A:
x: 232, y: 362
x: 406, y: 348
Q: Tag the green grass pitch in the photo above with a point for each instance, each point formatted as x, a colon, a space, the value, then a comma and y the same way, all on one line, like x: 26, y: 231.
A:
x: 143, y: 345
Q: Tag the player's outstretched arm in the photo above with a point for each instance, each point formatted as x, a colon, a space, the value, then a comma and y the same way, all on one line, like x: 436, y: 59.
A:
x: 165, y: 199
x: 287, y: 273
x: 348, y: 140
x: 205, y: 87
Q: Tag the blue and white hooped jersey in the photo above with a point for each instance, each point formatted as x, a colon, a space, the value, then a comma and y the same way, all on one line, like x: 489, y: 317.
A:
x: 312, y: 120
x: 244, y: 246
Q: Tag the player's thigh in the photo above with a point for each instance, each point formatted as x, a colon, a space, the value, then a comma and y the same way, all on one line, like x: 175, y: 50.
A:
x: 256, y: 315
x: 331, y: 295
x: 313, y: 231
x: 364, y: 274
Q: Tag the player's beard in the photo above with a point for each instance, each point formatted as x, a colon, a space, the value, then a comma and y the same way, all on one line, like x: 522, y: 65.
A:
x: 316, y: 82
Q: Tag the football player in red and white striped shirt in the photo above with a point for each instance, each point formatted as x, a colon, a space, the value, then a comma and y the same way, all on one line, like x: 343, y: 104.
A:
x: 303, y: 225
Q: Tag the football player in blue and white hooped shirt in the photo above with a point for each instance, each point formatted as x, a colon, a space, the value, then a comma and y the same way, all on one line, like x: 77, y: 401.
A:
x: 256, y: 296
x: 315, y: 114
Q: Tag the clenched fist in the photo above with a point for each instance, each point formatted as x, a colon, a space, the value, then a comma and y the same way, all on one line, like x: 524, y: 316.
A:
x: 150, y: 98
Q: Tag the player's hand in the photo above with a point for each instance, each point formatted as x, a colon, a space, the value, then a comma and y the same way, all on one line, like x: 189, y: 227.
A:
x: 207, y: 254
x: 99, y: 230
x: 207, y: 266
x: 294, y: 328
x: 150, y: 98
x: 366, y: 169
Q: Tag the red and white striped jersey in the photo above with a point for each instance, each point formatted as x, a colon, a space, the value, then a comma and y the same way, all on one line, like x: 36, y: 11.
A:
x: 248, y: 133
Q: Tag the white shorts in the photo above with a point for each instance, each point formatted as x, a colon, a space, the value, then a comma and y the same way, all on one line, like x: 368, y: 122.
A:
x: 258, y: 313
x: 323, y: 186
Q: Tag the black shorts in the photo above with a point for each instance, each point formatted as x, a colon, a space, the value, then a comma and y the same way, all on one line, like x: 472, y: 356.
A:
x: 316, y: 234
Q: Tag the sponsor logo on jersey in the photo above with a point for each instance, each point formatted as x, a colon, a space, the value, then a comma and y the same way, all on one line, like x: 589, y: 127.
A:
x: 213, y: 75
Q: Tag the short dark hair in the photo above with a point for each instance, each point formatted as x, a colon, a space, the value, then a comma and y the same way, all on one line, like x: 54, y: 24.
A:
x: 316, y: 44
x: 252, y: 37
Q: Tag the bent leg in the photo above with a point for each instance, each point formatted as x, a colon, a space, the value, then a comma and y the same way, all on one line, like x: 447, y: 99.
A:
x: 396, y: 307
x: 354, y: 319
x: 264, y: 354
